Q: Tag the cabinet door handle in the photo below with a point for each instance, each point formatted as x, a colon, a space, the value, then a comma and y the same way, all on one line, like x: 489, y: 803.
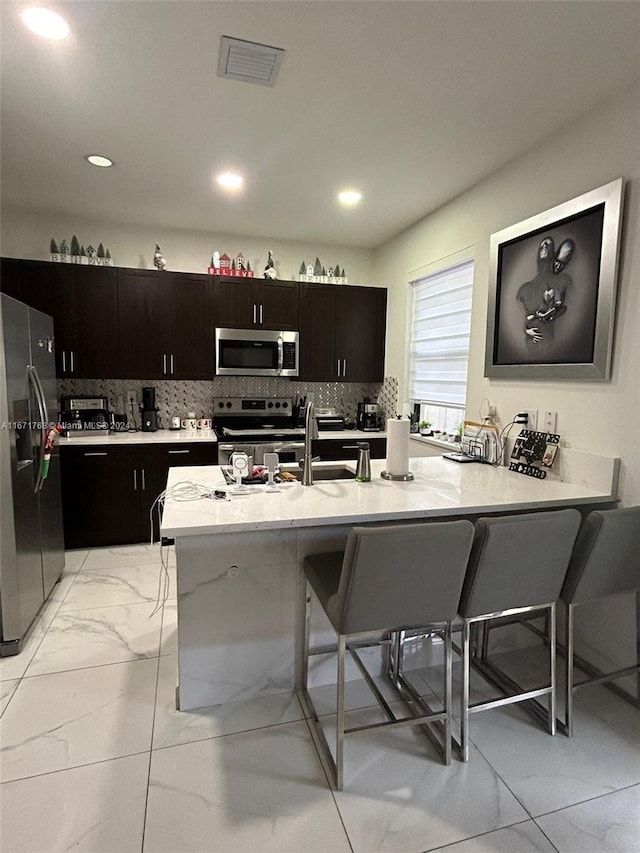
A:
x: 261, y: 315
x: 64, y: 361
x: 338, y: 368
x: 94, y: 453
x: 144, y: 482
x: 179, y: 451
x: 164, y: 363
x: 344, y: 367
x: 254, y: 314
x: 135, y: 480
x: 72, y: 361
x: 171, y: 359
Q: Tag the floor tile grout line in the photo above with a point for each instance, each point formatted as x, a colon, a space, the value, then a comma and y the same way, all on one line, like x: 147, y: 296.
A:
x: 92, y: 666
x: 478, y: 835
x: 153, y: 725
x: 589, y: 800
x: 74, y: 767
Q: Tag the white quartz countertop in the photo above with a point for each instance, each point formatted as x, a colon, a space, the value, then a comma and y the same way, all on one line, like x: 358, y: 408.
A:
x: 162, y: 436
x: 353, y: 434
x: 441, y: 487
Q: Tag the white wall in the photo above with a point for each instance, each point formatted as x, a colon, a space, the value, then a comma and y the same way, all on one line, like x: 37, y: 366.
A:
x: 27, y: 234
x: 602, y: 416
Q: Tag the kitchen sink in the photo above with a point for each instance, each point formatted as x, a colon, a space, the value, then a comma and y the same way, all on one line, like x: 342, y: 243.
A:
x: 336, y: 472
x: 326, y: 473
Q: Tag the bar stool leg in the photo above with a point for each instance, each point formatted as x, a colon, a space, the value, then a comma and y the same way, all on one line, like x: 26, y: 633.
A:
x: 552, y: 664
x: 464, y: 722
x: 448, y: 693
x: 568, y: 693
x: 342, y: 645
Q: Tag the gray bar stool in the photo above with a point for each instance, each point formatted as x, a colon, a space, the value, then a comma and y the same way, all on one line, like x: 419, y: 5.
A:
x: 605, y: 561
x: 387, y: 579
x: 517, y: 565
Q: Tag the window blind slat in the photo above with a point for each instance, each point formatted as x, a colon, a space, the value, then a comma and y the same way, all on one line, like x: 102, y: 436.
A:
x: 440, y: 330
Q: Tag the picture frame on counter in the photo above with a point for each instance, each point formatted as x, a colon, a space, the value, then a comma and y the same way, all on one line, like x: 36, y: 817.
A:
x: 552, y: 290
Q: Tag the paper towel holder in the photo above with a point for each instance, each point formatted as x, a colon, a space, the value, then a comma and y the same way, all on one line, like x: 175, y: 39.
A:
x: 387, y: 476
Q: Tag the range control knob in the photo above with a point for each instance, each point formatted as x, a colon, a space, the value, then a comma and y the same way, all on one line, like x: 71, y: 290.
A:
x: 285, y: 405
x: 228, y: 404
x: 269, y: 405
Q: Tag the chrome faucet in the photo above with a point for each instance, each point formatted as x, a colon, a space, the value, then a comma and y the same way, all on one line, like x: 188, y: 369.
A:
x: 310, y: 432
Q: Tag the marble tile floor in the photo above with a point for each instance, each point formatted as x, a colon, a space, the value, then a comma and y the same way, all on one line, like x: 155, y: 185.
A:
x: 95, y: 757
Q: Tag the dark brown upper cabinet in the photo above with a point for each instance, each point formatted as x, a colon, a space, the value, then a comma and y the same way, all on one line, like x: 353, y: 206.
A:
x: 166, y: 325
x: 255, y: 303
x: 83, y: 301
x: 342, y: 333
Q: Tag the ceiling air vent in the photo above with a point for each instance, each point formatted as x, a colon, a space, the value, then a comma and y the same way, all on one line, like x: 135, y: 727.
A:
x: 248, y: 61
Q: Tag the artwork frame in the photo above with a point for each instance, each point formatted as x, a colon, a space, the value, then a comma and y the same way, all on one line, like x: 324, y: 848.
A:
x: 552, y: 290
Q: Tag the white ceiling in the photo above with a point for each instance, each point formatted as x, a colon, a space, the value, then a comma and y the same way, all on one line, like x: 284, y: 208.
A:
x: 411, y: 102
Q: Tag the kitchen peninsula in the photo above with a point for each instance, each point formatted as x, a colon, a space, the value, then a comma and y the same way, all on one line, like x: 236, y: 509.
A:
x: 238, y: 561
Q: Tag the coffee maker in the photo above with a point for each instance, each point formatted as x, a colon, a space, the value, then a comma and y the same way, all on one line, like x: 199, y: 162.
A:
x: 368, y: 418
x: 149, y: 413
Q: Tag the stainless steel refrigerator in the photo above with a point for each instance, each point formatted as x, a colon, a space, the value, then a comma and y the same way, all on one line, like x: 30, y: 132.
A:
x: 31, y: 537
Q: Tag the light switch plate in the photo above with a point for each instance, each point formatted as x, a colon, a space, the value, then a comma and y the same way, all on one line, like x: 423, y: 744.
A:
x: 549, y: 422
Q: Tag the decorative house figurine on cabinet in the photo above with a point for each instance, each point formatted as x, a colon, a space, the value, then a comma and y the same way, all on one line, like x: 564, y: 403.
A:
x: 317, y: 273
x: 64, y: 251
x: 92, y: 255
x: 237, y: 267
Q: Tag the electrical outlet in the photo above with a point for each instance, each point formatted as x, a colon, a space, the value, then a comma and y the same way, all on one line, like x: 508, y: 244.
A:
x: 491, y: 411
x: 131, y: 397
x: 550, y: 420
x: 532, y: 418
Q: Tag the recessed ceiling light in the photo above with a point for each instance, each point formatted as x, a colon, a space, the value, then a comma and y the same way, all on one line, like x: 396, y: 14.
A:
x: 349, y: 198
x: 46, y: 23
x: 99, y: 160
x: 230, y: 180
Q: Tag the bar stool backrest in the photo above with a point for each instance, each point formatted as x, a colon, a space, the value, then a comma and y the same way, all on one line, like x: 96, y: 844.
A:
x: 518, y: 561
x: 401, y: 576
x: 606, y: 557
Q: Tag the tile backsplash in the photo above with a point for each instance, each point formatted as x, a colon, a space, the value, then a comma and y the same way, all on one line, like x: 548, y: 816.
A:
x: 176, y: 397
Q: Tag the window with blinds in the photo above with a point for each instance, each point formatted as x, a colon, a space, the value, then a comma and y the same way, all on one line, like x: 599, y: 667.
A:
x: 441, y: 323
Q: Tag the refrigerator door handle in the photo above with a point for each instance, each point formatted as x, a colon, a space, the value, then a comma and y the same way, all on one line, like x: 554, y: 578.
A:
x: 34, y: 381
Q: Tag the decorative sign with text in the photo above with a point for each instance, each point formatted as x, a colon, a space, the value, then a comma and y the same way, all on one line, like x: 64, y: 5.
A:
x: 533, y: 452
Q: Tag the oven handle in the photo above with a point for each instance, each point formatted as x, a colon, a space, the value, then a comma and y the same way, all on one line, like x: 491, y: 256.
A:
x: 288, y: 445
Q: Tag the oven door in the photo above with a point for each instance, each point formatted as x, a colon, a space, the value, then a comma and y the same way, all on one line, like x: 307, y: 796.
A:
x: 288, y: 451
x: 225, y: 450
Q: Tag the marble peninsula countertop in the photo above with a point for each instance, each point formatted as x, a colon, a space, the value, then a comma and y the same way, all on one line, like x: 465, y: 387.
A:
x: 440, y: 488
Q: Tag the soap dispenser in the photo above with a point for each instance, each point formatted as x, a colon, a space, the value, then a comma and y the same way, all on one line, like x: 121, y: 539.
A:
x: 363, y: 469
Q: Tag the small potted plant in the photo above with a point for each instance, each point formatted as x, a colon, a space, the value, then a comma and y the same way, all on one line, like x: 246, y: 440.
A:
x: 425, y: 427
x: 459, y: 431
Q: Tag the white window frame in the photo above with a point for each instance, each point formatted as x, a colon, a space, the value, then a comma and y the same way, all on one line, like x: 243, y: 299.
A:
x: 444, y: 414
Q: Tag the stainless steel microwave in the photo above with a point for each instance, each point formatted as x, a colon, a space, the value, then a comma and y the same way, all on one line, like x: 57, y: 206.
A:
x: 259, y: 352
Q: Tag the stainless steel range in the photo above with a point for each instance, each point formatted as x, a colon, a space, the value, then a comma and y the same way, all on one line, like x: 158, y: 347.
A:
x: 255, y: 426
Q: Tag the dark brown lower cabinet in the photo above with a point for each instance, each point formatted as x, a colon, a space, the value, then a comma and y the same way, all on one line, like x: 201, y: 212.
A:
x: 333, y: 449
x: 108, y: 491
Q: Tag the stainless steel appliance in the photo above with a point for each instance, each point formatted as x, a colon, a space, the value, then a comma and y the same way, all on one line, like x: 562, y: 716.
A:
x: 84, y: 415
x: 368, y: 417
x: 255, y: 426
x: 31, y: 544
x: 242, y: 352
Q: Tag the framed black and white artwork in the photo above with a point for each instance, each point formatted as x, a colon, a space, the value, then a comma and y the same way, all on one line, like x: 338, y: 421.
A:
x: 552, y: 291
